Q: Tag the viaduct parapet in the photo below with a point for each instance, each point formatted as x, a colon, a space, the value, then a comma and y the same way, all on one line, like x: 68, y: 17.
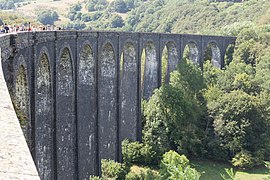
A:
x: 80, y: 92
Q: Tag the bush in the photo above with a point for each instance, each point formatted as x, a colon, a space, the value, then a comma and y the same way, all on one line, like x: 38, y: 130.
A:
x: 138, y: 153
x: 148, y: 174
x: 112, y: 169
x: 243, y: 159
x: 95, y: 178
x: 175, y: 166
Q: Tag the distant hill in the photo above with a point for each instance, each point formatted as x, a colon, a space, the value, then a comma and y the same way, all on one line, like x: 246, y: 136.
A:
x: 172, y: 16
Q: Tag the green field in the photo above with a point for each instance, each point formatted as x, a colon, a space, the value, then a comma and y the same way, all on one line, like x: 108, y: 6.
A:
x: 211, y: 170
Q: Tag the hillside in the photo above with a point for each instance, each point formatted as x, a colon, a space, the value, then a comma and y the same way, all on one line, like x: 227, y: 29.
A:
x: 172, y: 16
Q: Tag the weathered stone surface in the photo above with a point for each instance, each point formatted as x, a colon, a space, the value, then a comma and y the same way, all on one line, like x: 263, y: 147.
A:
x: 151, y: 76
x: 65, y: 117
x: 87, y: 111
x: 107, y: 116
x: 128, y: 95
x: 44, y: 118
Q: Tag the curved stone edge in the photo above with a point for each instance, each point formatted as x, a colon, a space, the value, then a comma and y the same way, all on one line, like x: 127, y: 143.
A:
x: 15, y: 159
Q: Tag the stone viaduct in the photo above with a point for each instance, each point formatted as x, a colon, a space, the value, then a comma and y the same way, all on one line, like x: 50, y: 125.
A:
x: 78, y: 93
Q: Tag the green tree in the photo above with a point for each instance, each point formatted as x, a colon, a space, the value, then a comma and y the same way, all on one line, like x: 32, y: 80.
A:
x: 120, y: 6
x: 47, y: 17
x: 173, y: 112
x: 116, y: 21
x: 263, y: 72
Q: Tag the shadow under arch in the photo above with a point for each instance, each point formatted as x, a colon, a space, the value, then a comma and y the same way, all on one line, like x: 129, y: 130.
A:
x: 149, y: 70
x: 229, y: 54
x: 65, y: 74
x: 44, y: 118
x: 169, y: 61
x: 21, y: 99
x: 86, y: 65
x: 191, y: 52
x: 212, y: 53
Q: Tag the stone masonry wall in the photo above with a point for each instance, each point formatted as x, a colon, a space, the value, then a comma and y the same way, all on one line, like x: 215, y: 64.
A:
x: 80, y: 93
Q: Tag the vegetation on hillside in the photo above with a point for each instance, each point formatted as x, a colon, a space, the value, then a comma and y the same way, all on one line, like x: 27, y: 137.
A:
x: 196, y: 16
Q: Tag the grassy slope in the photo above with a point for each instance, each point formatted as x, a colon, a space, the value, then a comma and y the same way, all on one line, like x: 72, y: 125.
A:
x: 211, y: 171
x: 61, y: 7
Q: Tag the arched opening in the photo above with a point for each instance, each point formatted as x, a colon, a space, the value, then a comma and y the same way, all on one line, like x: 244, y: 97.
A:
x: 86, y: 66
x: 164, y: 66
x: 191, y: 52
x: 107, y: 114
x: 150, y: 74
x: 65, y: 74
x: 44, y: 119
x: 44, y: 84
x: 143, y: 60
x: 212, y: 53
x: 169, y: 61
x: 129, y: 92
x: 108, y: 62
x: 21, y: 100
x: 229, y: 54
x: 65, y: 117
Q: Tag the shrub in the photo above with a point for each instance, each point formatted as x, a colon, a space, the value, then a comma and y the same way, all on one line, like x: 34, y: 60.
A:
x: 95, y: 178
x: 175, y: 166
x: 138, y: 153
x: 148, y: 174
x: 243, y: 159
x: 112, y: 169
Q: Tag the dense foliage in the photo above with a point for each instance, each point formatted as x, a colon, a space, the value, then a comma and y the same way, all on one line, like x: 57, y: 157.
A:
x: 189, y: 16
x: 222, y: 114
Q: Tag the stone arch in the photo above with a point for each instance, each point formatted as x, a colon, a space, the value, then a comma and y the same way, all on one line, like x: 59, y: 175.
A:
x: 191, y: 51
x: 129, y: 62
x: 86, y: 65
x: 128, y: 95
x: 65, y: 71
x: 150, y: 71
x: 22, y: 97
x: 169, y: 60
x: 108, y: 60
x: 21, y: 89
x: 107, y: 103
x: 212, y: 53
x: 44, y: 117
